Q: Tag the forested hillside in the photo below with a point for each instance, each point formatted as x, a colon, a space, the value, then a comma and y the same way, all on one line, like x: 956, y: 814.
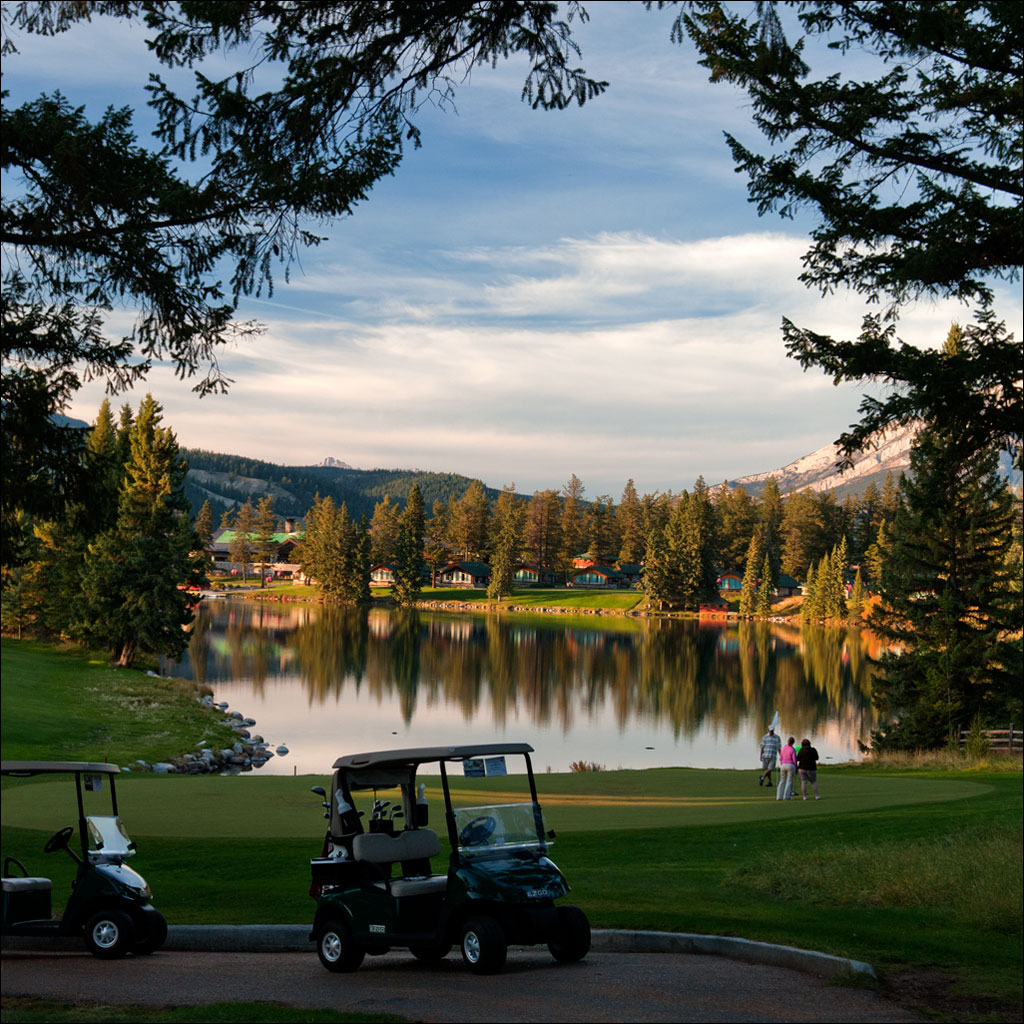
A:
x: 229, y: 479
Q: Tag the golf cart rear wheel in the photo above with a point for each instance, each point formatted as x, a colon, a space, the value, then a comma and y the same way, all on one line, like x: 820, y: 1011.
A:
x: 573, y: 942
x: 336, y: 949
x: 109, y: 934
x: 484, y: 946
x: 155, y: 937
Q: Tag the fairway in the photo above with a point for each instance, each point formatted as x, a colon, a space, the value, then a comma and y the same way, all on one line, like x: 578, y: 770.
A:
x: 282, y: 807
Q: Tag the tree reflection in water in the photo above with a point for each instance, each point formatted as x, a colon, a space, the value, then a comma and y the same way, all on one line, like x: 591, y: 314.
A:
x: 683, y: 676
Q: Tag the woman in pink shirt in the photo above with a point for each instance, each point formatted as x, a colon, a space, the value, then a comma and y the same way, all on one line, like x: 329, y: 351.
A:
x: 787, y: 770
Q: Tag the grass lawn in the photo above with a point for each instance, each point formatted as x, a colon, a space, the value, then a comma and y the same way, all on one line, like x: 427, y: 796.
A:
x: 528, y: 597
x: 69, y: 705
x: 915, y: 871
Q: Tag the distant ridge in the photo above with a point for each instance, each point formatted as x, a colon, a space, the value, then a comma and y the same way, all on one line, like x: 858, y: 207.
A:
x: 332, y: 463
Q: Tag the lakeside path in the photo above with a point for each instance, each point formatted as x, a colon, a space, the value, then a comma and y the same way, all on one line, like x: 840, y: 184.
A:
x: 604, y: 987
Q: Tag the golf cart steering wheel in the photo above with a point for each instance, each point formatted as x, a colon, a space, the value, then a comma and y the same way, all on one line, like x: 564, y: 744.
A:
x: 59, y: 841
x: 478, y: 831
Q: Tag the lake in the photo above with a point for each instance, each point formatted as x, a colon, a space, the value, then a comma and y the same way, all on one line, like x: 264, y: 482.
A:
x: 622, y: 692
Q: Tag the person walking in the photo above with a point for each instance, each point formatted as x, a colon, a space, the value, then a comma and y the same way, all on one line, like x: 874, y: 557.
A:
x: 770, y: 745
x: 787, y: 769
x: 807, y: 763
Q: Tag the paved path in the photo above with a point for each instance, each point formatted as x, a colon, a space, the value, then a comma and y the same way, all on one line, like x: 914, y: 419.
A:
x: 605, y: 987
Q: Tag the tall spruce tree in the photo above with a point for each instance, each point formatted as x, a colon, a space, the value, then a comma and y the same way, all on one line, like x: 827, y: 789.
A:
x: 950, y: 607
x: 408, y: 560
x: 265, y: 523
x: 204, y: 527
x: 763, y: 607
x: 506, y: 543
x: 132, y: 601
x: 242, y: 547
x: 752, y: 568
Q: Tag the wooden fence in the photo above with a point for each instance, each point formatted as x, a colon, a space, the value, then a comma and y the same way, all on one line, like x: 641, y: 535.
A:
x: 998, y: 739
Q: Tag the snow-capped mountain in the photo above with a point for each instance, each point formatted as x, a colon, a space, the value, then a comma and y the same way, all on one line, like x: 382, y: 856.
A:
x: 818, y: 472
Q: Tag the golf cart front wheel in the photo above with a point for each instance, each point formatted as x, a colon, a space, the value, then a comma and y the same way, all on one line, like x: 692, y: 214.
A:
x: 109, y: 934
x: 336, y: 949
x: 573, y: 941
x: 156, y: 934
x: 484, y: 946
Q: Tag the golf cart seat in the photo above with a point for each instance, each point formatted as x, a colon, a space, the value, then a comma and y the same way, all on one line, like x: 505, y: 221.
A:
x: 411, y: 845
x: 27, y: 899
x: 21, y: 885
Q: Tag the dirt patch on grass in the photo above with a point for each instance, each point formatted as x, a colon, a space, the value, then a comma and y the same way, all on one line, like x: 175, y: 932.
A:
x: 933, y: 993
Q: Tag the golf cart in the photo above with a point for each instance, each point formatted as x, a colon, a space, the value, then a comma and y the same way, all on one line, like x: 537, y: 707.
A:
x: 500, y: 886
x: 110, y: 903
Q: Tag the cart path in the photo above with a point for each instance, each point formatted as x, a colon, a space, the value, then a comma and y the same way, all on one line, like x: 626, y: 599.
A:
x: 605, y: 987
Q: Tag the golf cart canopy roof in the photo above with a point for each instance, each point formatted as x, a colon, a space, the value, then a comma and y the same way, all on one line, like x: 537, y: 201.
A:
x: 26, y: 768
x: 423, y: 755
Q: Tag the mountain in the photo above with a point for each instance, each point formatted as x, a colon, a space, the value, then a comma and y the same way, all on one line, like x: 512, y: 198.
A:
x: 818, y: 472
x: 228, y: 480
x: 332, y: 463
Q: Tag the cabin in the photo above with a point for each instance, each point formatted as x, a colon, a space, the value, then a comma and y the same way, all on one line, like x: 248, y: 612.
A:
x: 472, y: 575
x: 281, y: 562
x: 631, y: 573
x: 383, y: 574
x: 529, y: 574
x: 597, y: 577
x: 730, y: 583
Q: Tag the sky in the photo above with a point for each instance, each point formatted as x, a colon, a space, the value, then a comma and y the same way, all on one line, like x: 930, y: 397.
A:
x: 533, y: 294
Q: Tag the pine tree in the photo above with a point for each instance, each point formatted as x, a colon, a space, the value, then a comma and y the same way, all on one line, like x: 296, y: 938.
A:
x: 770, y: 515
x: 384, y: 529
x: 507, y: 543
x: 409, y: 550
x: 436, y: 552
x: 242, y: 548
x: 105, y: 464
x: 736, y: 514
x: 629, y: 515
x: 358, y: 563
x: 469, y: 522
x: 573, y: 536
x: 131, y: 597
x: 204, y: 527
x: 763, y: 608
x: 748, y: 589
x: 543, y: 540
x: 950, y: 607
x: 265, y: 525
x: 856, y: 605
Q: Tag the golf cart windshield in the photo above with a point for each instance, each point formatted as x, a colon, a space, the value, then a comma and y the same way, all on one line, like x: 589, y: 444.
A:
x: 496, y: 827
x: 108, y: 839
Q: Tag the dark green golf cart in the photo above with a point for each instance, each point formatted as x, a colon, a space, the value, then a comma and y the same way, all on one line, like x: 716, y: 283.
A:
x: 109, y: 904
x: 374, y: 882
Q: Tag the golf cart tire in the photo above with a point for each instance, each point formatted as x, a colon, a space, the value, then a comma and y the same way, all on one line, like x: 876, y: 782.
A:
x: 573, y: 942
x: 337, y: 952
x: 484, y: 946
x: 430, y: 954
x: 156, y: 925
x: 109, y: 935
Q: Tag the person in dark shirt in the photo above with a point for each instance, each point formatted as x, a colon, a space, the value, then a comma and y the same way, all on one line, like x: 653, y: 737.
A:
x: 807, y: 764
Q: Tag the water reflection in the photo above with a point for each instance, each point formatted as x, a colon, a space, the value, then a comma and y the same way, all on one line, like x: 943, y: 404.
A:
x: 623, y: 692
